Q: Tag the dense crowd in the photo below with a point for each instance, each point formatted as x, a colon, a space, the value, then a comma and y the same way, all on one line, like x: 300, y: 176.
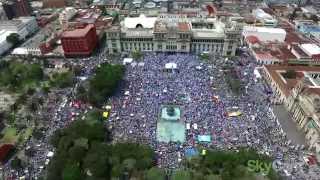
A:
x: 206, y: 103
x: 200, y: 90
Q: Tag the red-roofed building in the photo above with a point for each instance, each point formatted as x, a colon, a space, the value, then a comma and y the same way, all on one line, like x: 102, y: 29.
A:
x: 264, y: 57
x: 300, y: 95
x: 79, y: 42
x: 5, y: 150
x: 252, y: 40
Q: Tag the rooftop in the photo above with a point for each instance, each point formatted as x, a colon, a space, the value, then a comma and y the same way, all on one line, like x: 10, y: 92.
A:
x: 139, y: 33
x: 311, y: 28
x: 10, y: 23
x: 311, y: 49
x: 78, y: 32
x: 298, y: 49
x: 284, y: 84
x: 145, y: 22
x: 292, y: 37
x: 207, y: 33
x: 252, y: 39
x: 265, y: 56
x: 264, y: 30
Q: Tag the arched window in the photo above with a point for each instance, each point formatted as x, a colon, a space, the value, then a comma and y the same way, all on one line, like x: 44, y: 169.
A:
x: 139, y: 26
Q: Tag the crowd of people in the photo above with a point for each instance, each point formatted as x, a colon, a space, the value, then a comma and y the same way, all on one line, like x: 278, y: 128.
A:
x: 202, y: 93
x: 199, y: 89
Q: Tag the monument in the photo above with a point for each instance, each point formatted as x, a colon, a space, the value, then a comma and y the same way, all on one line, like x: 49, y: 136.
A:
x: 170, y: 128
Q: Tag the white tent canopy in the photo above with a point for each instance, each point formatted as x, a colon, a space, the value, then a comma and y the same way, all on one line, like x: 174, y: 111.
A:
x: 50, y: 154
x: 171, y: 66
x: 127, y: 61
x: 257, y: 73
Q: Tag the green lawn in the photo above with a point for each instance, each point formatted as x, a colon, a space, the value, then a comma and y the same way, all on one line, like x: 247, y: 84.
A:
x: 26, y: 134
x: 10, y: 135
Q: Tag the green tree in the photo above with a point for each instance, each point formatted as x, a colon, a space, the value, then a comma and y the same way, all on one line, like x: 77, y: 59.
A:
x: 212, y: 177
x: 72, y: 172
x: 290, y: 74
x: 97, y: 160
x: 56, y: 167
x: 35, y: 72
x: 62, y: 80
x: 13, y: 39
x: 76, y: 153
x: 82, y: 93
x: 155, y: 174
x: 136, y: 55
x: 204, y: 56
x: 16, y: 163
x: 55, y: 139
x: 104, y: 83
x: 181, y: 175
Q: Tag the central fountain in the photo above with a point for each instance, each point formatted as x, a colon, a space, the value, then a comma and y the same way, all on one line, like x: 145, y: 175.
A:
x: 170, y: 128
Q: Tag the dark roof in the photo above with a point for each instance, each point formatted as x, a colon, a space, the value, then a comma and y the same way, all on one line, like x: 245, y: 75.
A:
x: 5, y: 149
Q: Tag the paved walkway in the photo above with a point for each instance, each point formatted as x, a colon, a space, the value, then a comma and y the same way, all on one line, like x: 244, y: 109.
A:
x: 288, y: 125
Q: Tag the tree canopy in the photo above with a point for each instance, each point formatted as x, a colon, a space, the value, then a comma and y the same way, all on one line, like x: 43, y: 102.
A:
x: 13, y: 39
x: 62, y: 80
x: 136, y: 55
x: 82, y: 151
x: 227, y: 165
x: 16, y: 75
x: 290, y: 74
x: 104, y: 82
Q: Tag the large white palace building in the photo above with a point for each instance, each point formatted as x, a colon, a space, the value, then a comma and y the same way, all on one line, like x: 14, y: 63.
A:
x: 174, y: 33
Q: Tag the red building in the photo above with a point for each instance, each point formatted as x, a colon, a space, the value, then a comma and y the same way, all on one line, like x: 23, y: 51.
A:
x: 23, y: 8
x: 79, y: 42
x: 5, y: 150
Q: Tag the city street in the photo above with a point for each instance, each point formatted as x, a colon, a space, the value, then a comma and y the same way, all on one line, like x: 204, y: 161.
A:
x: 288, y: 126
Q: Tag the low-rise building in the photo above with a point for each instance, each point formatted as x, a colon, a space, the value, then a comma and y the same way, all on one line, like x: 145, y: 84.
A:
x: 15, y: 26
x: 306, y: 113
x: 300, y: 94
x: 25, y: 51
x: 30, y: 23
x: 66, y: 15
x: 265, y: 33
x: 309, y: 29
x: 265, y: 18
x: 306, y: 53
x: 79, y: 42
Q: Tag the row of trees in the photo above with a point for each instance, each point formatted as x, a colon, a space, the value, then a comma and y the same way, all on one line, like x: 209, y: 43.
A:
x: 233, y: 81
x: 226, y: 165
x: 83, y: 152
x: 16, y: 75
x: 62, y: 80
x: 102, y: 85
